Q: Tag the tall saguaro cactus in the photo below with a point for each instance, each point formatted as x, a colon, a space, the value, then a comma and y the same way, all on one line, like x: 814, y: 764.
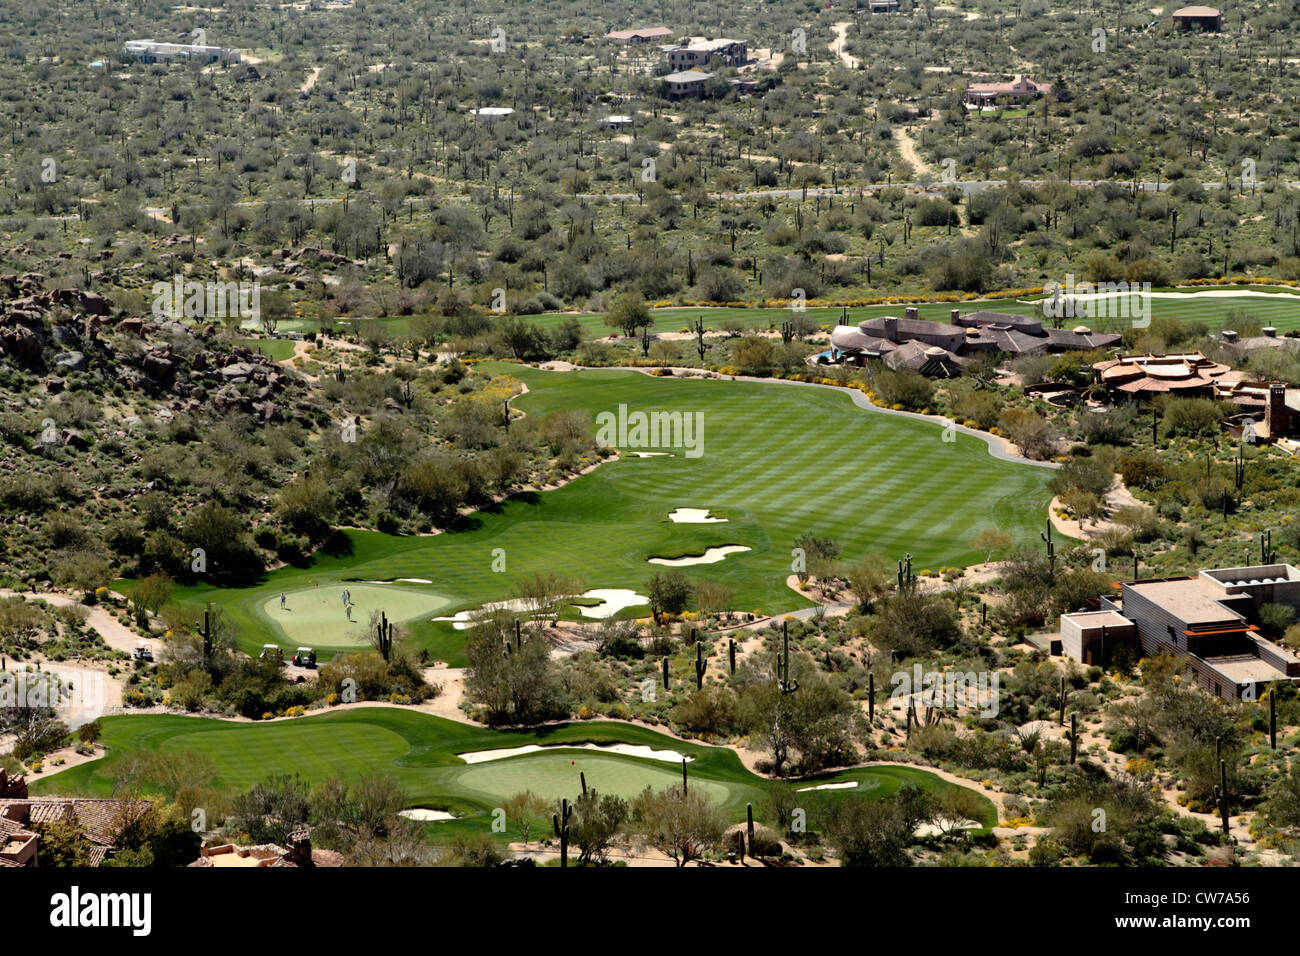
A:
x: 787, y: 685
x: 206, y: 632
x: 385, y: 642
x: 561, y: 823
x: 1051, y: 548
x: 700, y: 667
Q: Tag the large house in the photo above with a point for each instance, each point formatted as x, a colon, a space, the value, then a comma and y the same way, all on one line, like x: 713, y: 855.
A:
x: 638, y: 36
x: 685, y: 83
x: 1267, y: 410
x: 99, y: 822
x: 151, y: 51
x: 703, y: 52
x: 1198, y: 18
x: 1020, y: 88
x: 939, y: 349
x: 1210, y: 621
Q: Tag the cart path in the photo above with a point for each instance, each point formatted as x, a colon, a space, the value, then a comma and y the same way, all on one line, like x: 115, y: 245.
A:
x: 113, y: 632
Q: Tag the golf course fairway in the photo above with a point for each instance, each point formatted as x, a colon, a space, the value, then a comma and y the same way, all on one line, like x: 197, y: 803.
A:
x: 777, y: 460
x: 420, y: 752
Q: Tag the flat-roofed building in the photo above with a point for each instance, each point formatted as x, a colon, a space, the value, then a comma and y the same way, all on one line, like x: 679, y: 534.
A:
x: 639, y: 35
x: 1208, y: 620
x: 151, y: 51
x: 703, y: 52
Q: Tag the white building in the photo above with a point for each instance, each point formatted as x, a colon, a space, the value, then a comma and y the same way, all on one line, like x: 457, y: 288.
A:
x: 151, y: 51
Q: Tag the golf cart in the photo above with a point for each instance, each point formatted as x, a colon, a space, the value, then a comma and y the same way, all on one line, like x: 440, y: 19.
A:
x: 271, y: 651
x: 306, y: 657
x: 143, y: 651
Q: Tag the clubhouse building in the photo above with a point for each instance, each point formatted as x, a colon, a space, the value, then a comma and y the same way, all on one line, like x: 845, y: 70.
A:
x: 940, y: 349
x: 1210, y: 621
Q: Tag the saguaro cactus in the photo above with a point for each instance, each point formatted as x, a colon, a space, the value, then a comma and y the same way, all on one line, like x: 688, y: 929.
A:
x: 665, y: 673
x: 206, y: 632
x: 1223, y: 793
x: 731, y: 654
x: 700, y: 667
x: 385, y: 641
x: 561, y: 823
x: 787, y: 685
x: 1074, y: 738
x: 871, y: 696
x: 1051, y: 547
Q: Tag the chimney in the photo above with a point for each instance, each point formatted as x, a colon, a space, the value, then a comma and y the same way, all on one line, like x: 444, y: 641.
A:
x: 1229, y: 335
x: 891, y: 328
x: 1269, y: 332
x: 954, y: 316
x: 912, y: 313
x: 1277, y: 416
x: 300, y: 848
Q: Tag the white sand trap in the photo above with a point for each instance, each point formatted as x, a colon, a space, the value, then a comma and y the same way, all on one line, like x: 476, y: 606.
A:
x: 626, y: 750
x: 463, y: 620
x: 692, y: 516
x: 710, y: 556
x: 419, y: 813
x: 945, y: 826
x: 403, y: 581
x: 830, y: 786
x: 652, y: 454
x: 612, y: 601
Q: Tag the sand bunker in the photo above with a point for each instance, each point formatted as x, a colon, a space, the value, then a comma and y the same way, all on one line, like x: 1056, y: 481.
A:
x: 830, y: 786
x: 626, y: 750
x: 419, y: 813
x: 402, y: 581
x: 463, y: 620
x: 652, y: 454
x: 692, y: 516
x: 710, y: 556
x: 612, y: 601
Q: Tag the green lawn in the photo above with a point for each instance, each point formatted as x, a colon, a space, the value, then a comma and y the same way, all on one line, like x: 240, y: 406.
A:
x: 277, y: 349
x: 1279, y: 309
x: 420, y: 752
x: 778, y: 460
x: 316, y: 616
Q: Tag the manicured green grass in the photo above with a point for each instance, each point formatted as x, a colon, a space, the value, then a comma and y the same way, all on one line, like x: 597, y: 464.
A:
x: 778, y: 460
x: 420, y: 752
x: 316, y: 616
x: 551, y: 775
x: 1279, y: 308
x: 277, y: 349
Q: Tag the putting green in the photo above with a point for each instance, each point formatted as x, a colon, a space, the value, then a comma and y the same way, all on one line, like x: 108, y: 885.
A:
x: 316, y: 617
x: 555, y: 775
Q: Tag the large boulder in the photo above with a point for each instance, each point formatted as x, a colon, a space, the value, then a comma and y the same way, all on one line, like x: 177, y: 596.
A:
x: 159, y: 367
x: 71, y: 361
